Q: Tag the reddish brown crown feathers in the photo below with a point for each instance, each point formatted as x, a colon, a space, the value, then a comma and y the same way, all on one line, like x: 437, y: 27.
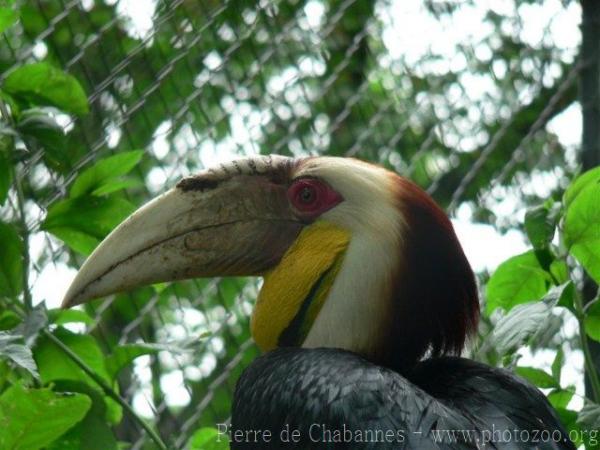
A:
x: 436, y: 298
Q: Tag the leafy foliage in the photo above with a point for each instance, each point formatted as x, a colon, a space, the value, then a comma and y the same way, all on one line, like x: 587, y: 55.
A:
x: 33, y: 418
x: 208, y: 439
x: 8, y: 17
x: 530, y: 276
x: 518, y: 280
x: 72, y: 411
x: 11, y: 264
x: 42, y: 84
x: 18, y: 353
x: 93, y: 208
x: 82, y: 222
x: 582, y: 227
x: 538, y: 377
x: 592, y: 320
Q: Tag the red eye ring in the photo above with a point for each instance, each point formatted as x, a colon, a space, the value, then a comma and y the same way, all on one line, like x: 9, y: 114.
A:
x: 311, y: 197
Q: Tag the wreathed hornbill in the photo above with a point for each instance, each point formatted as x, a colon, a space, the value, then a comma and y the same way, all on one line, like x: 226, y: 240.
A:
x: 367, y: 302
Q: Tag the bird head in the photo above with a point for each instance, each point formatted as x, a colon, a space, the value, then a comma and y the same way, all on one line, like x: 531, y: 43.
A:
x: 353, y: 256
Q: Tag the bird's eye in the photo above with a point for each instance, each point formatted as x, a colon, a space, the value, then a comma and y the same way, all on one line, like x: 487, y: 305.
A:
x: 311, y: 197
x: 307, y: 195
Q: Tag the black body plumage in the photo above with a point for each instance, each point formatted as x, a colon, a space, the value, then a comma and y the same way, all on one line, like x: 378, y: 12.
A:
x: 335, y: 399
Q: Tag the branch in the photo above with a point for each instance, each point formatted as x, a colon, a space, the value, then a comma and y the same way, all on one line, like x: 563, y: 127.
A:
x: 23, y: 229
x: 108, y: 390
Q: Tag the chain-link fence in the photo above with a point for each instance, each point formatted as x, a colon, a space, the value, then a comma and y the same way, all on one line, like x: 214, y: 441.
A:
x: 474, y: 100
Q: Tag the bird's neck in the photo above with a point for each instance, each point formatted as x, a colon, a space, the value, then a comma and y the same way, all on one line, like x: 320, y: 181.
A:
x: 356, y: 315
x: 294, y: 293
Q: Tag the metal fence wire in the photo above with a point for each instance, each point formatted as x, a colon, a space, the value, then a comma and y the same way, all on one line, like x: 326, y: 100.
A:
x: 467, y: 98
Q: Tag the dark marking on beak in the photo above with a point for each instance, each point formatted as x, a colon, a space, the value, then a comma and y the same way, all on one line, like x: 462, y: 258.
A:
x: 197, y: 183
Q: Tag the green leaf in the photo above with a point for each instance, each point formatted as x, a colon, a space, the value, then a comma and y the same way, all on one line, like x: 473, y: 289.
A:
x: 91, y: 215
x: 582, y: 229
x: 557, y: 364
x: 581, y: 182
x: 208, y: 438
x: 42, y: 84
x: 590, y: 416
x: 11, y: 261
x: 9, y: 320
x: 36, y: 123
x: 82, y: 222
x: 8, y: 18
x: 5, y: 166
x: 103, y: 177
x: 591, y: 321
x: 38, y: 127
x: 18, y: 353
x: 32, y: 325
x: 560, y: 295
x: 117, y: 185
x: 560, y: 398
x: 538, y: 377
x: 519, y: 325
x: 32, y: 419
x: 80, y: 242
x: 123, y: 355
x: 517, y: 280
x: 15, y: 111
x: 560, y: 271
x: 591, y: 439
x: 567, y: 297
x: 540, y: 223
x: 62, y: 316
x: 92, y: 433
x: 114, y: 411
x: 569, y: 419
x: 53, y: 364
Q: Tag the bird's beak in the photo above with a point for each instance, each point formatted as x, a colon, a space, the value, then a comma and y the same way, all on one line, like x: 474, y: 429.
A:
x: 211, y: 224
